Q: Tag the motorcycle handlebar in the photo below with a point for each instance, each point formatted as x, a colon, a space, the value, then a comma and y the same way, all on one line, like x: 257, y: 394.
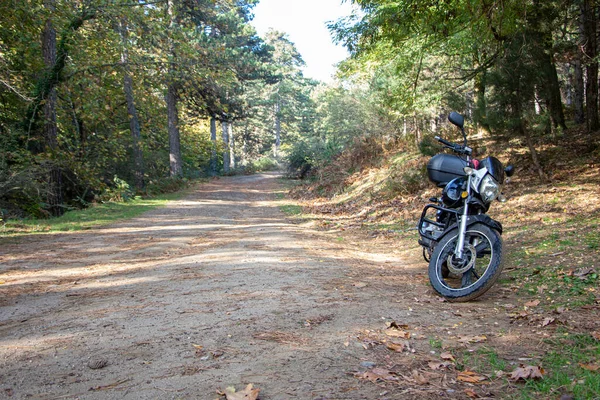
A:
x: 444, y: 141
x: 455, y: 147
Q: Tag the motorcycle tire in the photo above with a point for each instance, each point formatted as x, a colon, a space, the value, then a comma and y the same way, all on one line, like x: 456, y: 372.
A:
x: 486, y: 243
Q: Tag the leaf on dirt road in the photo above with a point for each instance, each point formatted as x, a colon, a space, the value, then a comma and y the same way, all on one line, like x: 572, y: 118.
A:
x: 526, y: 372
x: 396, y: 330
x: 596, y: 335
x: 435, y: 365
x: 447, y: 356
x: 397, y: 347
x: 471, y: 393
x: 378, y: 375
x: 250, y: 393
x: 472, y: 339
x: 533, y: 303
x: 419, y: 378
x: 590, y: 367
x: 396, y: 325
x: 359, y: 285
x: 548, y: 321
x: 470, y: 377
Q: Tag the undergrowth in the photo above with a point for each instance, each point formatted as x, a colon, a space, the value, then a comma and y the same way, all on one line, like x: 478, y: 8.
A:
x: 94, y: 216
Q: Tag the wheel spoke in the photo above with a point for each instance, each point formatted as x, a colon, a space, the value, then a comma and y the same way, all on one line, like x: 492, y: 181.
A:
x: 472, y: 270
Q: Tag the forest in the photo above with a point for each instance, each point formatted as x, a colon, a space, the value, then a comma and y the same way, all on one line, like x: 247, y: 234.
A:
x: 105, y: 100
x: 184, y: 214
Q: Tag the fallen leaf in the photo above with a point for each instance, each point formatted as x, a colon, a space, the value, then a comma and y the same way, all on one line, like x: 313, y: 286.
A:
x: 470, y: 377
x: 471, y: 393
x: 472, y: 339
x: 396, y: 325
x: 419, y: 378
x: 583, y: 272
x: 559, y: 310
x: 247, y: 394
x: 359, y: 284
x: 547, y: 321
x: 447, y: 356
x: 525, y: 372
x: 435, y: 365
x: 197, y: 346
x: 596, y: 335
x: 541, y: 288
x: 590, y: 367
x: 377, y: 374
x: 397, y: 347
x: 533, y: 303
x: 395, y: 332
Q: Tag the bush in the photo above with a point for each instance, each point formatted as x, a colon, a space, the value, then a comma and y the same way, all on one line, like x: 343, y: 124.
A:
x: 165, y: 185
x: 120, y: 192
x: 301, y: 160
x: 263, y: 164
x: 429, y: 146
x: 408, y: 178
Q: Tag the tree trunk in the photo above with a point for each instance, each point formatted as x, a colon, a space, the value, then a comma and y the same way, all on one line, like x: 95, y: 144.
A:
x: 176, y: 167
x: 213, y: 153
x: 588, y: 17
x: 54, y: 197
x: 134, y: 122
x: 277, y: 129
x: 578, y: 92
x: 524, y: 132
x: 543, y: 50
x: 480, y: 112
x: 231, y: 147
x: 225, y: 135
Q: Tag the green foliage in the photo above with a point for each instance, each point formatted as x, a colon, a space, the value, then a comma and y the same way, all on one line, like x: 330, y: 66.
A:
x: 408, y: 178
x: 120, y: 191
x: 428, y: 146
x: 564, y: 371
x: 98, y: 214
x: 264, y: 164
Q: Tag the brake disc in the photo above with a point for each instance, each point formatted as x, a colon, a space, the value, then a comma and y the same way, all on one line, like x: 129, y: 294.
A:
x: 469, y: 257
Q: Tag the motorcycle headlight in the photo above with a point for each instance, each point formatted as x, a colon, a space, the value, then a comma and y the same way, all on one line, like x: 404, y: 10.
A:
x: 489, y: 189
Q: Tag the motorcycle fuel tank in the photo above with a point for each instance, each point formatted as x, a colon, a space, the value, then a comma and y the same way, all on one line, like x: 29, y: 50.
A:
x: 442, y: 168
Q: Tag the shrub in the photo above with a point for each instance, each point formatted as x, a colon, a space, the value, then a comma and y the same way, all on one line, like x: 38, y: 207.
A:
x: 120, y: 192
x: 265, y: 164
x: 408, y: 178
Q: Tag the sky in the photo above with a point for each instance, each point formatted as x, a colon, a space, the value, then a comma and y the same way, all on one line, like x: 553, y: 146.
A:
x: 305, y: 23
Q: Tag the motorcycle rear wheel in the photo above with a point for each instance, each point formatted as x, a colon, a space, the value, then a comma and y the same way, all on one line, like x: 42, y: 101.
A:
x: 486, y: 243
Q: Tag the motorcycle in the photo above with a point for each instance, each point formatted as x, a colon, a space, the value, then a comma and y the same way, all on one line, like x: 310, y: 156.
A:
x: 462, y: 244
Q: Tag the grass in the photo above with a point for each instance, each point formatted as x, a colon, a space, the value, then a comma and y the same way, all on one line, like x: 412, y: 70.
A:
x: 560, y: 262
x: 291, y: 209
x: 97, y: 215
x: 565, y: 374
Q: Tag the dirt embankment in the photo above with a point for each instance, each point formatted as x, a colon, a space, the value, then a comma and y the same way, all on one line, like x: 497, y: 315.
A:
x: 218, y: 290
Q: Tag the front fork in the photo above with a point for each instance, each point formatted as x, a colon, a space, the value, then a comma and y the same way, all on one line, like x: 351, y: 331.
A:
x: 462, y: 228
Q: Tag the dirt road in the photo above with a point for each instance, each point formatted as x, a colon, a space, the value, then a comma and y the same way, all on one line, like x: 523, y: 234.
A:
x: 219, y: 290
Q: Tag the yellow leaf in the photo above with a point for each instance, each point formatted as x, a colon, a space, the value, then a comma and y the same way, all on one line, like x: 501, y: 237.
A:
x: 470, y: 377
x: 247, y: 394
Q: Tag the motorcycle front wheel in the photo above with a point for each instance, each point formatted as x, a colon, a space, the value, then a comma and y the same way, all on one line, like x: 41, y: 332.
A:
x: 475, y: 273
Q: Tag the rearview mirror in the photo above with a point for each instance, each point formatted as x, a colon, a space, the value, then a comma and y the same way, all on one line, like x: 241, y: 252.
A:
x: 456, y: 119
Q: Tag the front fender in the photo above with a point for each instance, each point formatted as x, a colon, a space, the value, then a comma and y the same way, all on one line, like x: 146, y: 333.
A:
x: 476, y: 219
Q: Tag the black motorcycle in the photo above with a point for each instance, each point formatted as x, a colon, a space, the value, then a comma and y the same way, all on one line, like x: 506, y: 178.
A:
x: 462, y: 244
